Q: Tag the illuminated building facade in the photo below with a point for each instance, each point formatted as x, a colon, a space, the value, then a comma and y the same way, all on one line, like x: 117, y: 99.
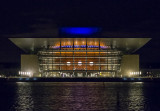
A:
x: 80, y: 57
x: 79, y: 52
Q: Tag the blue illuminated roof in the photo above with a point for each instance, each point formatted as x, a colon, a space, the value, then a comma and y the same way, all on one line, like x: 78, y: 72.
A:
x: 79, y: 30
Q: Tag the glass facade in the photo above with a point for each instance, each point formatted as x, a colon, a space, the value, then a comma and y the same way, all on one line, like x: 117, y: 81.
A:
x: 79, y: 57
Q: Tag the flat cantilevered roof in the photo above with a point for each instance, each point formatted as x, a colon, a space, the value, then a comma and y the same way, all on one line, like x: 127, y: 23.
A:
x: 127, y: 45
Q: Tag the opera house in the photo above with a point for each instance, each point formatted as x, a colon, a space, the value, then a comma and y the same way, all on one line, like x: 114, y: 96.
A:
x: 80, y: 57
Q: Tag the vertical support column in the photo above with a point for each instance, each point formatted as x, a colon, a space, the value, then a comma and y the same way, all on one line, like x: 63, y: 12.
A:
x: 52, y: 61
x: 47, y: 64
x: 86, y: 63
x: 113, y: 47
x: 86, y: 57
x: 112, y: 65
x: 60, y: 44
x: 73, y: 63
x: 99, y: 58
x: 73, y: 59
x: 86, y: 44
x: 60, y: 59
x: 99, y: 54
x: 99, y: 45
x: 73, y: 44
x: 107, y: 58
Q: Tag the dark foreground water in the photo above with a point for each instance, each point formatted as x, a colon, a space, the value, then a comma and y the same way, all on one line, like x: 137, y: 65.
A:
x: 27, y: 96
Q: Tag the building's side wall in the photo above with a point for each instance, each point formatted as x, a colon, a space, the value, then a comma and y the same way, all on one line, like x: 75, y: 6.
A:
x: 129, y: 63
x: 29, y: 63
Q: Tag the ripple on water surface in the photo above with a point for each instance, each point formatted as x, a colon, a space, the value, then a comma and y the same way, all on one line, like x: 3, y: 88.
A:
x: 65, y: 96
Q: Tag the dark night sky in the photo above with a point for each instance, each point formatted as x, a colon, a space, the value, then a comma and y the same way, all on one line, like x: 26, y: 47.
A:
x: 128, y: 18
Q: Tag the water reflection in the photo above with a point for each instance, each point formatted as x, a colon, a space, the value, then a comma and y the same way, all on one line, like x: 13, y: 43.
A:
x: 131, y: 97
x: 80, y: 96
x: 23, y: 97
